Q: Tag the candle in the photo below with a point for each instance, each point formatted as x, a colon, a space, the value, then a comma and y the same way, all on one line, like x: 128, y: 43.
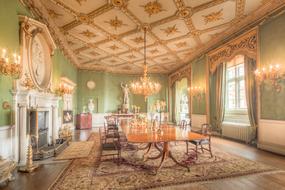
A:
x: 15, y: 58
x: 4, y: 53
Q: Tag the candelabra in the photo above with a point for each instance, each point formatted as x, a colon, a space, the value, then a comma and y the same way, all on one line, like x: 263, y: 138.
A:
x: 159, y: 107
x: 136, y: 109
x: 272, y: 74
x: 30, y: 166
x: 10, y: 68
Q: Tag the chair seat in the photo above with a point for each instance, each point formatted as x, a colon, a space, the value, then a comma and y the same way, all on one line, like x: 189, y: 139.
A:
x: 112, y: 127
x: 198, y: 142
x: 111, y: 146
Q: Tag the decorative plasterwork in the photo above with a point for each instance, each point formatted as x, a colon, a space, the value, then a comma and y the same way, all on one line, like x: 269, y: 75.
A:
x: 178, y: 75
x: 153, y: 8
x: 37, y: 47
x: 214, y: 16
x: 202, y: 23
x: 245, y: 44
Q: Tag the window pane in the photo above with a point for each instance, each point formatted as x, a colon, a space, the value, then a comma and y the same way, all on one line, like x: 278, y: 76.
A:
x: 231, y: 73
x: 242, y: 98
x: 240, y: 70
x: 231, y: 95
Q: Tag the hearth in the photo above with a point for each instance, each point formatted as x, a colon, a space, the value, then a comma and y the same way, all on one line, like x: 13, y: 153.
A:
x: 38, y: 128
x: 39, y: 124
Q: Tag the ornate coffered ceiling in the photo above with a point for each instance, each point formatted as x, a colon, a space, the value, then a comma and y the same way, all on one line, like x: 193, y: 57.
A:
x: 107, y: 34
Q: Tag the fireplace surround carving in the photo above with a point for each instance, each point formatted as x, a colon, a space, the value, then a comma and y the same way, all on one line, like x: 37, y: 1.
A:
x: 37, y: 99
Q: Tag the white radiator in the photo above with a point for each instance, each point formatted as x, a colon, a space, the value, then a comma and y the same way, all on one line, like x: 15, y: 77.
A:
x: 237, y: 131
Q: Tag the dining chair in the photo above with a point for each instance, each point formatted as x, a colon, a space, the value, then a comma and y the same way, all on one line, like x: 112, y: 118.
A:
x: 200, y: 144
x: 110, y: 146
x: 183, y: 124
x: 111, y: 125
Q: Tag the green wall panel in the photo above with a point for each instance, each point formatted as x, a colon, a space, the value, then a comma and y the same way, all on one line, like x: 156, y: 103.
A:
x: 199, y: 79
x: 63, y: 68
x: 108, y: 93
x: 9, y: 38
x: 272, y: 51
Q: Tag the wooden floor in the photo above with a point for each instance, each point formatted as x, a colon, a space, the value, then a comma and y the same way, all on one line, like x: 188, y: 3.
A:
x: 44, y: 176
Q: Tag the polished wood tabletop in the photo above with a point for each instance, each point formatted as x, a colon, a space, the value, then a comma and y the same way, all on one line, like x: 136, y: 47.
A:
x: 136, y: 133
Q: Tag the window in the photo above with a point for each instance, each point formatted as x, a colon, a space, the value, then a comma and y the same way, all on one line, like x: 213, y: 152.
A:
x: 235, y: 85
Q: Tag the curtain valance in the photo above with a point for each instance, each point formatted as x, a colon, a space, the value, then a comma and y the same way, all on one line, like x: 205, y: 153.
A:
x: 178, y: 75
x: 245, y: 44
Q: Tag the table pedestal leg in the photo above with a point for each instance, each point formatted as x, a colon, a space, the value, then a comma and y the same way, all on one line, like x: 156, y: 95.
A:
x: 164, y: 153
x: 144, y: 148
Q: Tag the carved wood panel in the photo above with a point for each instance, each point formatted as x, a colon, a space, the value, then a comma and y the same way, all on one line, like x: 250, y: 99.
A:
x: 245, y: 44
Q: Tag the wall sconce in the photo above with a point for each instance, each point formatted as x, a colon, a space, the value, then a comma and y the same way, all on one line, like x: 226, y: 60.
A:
x: 272, y: 74
x: 64, y: 89
x: 6, y: 105
x: 196, y: 91
x: 10, y: 68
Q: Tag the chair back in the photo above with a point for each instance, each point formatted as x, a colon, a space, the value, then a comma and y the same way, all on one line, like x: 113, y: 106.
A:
x: 183, y: 124
x: 102, y: 134
x: 205, y: 129
x: 111, y: 120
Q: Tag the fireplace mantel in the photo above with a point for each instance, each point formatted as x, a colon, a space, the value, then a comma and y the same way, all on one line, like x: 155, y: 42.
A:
x: 25, y: 100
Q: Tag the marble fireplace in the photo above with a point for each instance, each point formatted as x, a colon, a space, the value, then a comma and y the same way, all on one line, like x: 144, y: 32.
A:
x: 27, y: 105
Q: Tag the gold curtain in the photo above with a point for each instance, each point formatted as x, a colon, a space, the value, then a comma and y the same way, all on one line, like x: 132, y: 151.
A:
x: 250, y: 90
x: 173, y: 92
x: 220, y: 94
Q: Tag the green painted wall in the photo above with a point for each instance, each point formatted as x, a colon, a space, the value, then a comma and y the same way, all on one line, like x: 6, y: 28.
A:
x: 108, y: 93
x: 272, y: 51
x: 63, y: 68
x: 9, y: 38
x: 198, y: 78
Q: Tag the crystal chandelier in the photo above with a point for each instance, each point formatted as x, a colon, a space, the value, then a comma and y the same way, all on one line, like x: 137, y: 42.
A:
x: 145, y: 86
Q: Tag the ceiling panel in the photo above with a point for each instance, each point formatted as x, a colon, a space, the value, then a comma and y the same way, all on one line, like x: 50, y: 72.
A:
x: 149, y: 11
x: 195, y: 3
x: 182, y: 44
x: 170, y: 30
x: 84, y: 6
x: 115, y: 22
x: 215, y: 16
x: 107, y: 34
x: 87, y: 33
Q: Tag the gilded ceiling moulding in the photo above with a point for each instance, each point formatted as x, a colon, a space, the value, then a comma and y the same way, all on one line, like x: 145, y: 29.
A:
x: 245, y: 44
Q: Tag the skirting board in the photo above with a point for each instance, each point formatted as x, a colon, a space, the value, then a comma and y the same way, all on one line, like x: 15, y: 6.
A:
x: 6, y: 141
x: 271, y: 135
x: 271, y: 147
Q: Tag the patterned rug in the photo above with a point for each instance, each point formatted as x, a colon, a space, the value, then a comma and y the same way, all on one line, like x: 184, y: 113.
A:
x: 133, y: 173
x: 76, y: 150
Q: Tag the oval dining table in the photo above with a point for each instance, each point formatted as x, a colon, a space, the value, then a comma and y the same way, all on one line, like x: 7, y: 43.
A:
x: 158, y: 137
